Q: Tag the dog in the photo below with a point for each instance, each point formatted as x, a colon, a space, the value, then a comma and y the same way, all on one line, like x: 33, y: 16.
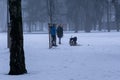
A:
x: 73, y: 41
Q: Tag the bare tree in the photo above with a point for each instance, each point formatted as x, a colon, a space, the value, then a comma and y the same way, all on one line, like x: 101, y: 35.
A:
x: 117, y: 13
x: 108, y: 15
x: 51, y: 10
x: 17, y: 59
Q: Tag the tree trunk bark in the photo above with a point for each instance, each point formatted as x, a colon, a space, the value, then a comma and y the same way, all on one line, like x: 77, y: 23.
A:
x: 117, y: 15
x: 17, y: 59
x: 108, y: 17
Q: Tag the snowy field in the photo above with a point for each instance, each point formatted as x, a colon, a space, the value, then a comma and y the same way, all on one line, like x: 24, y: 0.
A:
x: 97, y: 57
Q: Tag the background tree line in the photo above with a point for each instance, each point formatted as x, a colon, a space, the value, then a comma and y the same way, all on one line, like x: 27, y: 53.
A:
x: 84, y: 15
x: 77, y: 15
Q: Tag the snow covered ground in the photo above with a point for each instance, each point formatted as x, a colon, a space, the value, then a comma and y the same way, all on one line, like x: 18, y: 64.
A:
x: 97, y: 57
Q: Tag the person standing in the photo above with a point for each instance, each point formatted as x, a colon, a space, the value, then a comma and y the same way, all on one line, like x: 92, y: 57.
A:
x: 60, y: 32
x: 53, y: 34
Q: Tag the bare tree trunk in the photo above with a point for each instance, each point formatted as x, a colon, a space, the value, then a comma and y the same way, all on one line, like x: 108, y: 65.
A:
x: 117, y: 14
x: 108, y: 16
x: 51, y: 9
x: 17, y: 59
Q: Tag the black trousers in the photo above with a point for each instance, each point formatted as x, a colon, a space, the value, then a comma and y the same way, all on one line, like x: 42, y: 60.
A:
x: 53, y: 40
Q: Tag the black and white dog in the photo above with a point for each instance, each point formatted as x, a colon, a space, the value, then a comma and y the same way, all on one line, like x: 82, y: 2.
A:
x: 73, y: 41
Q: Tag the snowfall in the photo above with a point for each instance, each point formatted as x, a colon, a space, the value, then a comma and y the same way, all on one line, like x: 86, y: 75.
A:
x: 96, y: 58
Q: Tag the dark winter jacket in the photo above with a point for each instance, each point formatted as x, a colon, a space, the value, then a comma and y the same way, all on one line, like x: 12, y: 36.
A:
x: 60, y: 32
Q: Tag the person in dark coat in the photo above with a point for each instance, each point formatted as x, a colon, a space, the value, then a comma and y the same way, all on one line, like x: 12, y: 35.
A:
x: 53, y: 34
x: 60, y: 33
